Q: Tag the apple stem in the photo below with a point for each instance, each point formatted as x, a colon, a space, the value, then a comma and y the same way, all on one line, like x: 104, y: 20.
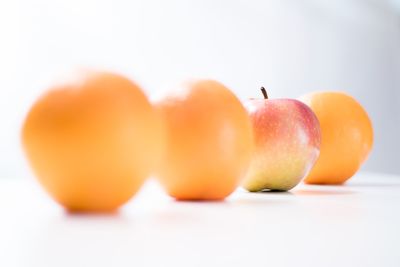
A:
x: 264, y: 92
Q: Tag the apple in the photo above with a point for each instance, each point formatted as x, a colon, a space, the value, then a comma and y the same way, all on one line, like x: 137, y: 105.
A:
x: 287, y: 140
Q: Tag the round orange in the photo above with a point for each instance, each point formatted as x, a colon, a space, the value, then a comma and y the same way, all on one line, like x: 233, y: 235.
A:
x: 93, y: 141
x: 209, y: 141
x: 347, y: 136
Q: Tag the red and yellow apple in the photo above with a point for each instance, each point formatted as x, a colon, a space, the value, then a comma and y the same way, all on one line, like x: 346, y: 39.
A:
x: 287, y: 142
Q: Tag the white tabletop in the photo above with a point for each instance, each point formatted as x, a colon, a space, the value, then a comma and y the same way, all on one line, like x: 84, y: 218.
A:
x: 353, y: 225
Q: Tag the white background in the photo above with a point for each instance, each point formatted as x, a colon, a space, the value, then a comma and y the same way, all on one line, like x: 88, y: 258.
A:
x: 330, y: 226
x: 289, y: 46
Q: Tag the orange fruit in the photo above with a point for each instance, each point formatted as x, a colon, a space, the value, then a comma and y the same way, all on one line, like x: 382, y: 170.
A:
x: 347, y: 136
x: 93, y: 141
x: 209, y: 141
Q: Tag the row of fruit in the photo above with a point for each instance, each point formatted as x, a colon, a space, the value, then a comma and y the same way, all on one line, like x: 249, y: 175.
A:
x: 93, y: 141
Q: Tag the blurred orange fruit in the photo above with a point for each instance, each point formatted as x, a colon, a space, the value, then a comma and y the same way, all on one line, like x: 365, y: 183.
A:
x: 209, y: 141
x: 93, y: 141
x: 347, y: 136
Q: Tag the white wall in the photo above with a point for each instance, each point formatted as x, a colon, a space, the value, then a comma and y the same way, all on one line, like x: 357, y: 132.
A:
x: 289, y: 46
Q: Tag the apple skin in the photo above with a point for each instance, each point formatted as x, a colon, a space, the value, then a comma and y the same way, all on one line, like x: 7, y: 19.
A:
x: 287, y: 143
